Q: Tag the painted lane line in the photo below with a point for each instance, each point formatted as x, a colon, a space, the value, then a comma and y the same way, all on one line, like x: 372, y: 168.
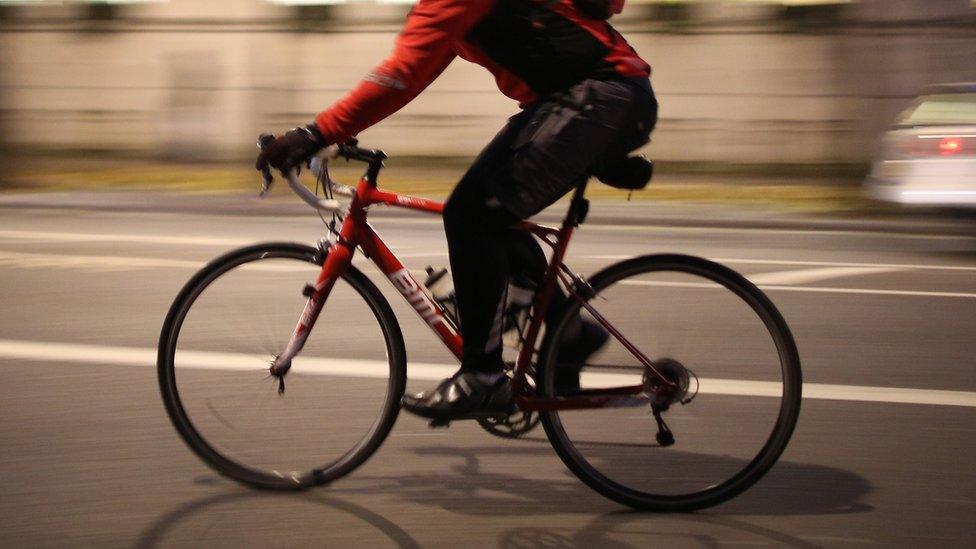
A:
x: 896, y: 266
x: 954, y: 501
x: 378, y: 219
x: 143, y: 239
x: 415, y: 255
x: 808, y: 289
x: 805, y: 276
x: 107, y: 263
x: 745, y: 261
x: 645, y: 228
x: 866, y: 291
x: 126, y: 238
x: 121, y: 263
x: 100, y: 263
x: 344, y: 367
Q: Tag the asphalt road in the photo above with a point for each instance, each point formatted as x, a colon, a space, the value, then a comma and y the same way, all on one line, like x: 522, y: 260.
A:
x: 882, y: 454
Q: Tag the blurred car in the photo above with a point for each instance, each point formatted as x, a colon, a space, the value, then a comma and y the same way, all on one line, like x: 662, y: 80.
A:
x: 929, y: 157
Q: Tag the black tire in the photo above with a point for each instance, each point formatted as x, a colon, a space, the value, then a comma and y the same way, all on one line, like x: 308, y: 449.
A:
x: 751, y: 470
x: 356, y: 456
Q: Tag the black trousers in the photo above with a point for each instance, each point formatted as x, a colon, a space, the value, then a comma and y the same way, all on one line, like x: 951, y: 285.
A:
x: 546, y: 150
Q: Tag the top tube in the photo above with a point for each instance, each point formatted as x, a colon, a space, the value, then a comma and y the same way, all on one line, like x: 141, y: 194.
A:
x: 368, y: 193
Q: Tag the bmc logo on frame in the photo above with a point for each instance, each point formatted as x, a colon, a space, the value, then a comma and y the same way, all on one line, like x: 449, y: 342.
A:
x: 416, y: 297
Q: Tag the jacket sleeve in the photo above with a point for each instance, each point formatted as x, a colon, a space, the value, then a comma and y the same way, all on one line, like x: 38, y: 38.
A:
x: 424, y: 48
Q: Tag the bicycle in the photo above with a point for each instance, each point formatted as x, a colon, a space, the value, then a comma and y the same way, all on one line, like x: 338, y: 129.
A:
x: 730, y: 431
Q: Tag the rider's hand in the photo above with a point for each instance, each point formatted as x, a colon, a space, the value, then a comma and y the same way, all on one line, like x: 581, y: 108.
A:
x: 291, y: 149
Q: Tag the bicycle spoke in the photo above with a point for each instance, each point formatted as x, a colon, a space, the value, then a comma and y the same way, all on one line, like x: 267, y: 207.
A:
x: 221, y: 342
x: 729, y: 391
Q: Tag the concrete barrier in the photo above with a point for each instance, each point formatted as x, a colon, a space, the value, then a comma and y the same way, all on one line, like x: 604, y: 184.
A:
x: 190, y: 81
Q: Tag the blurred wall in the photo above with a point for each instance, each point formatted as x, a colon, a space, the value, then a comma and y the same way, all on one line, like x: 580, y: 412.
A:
x: 199, y: 80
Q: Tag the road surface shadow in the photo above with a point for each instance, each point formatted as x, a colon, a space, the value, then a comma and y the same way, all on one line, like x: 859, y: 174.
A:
x: 599, y: 531
x: 466, y: 488
x: 789, y: 489
x: 604, y: 531
x: 209, y: 508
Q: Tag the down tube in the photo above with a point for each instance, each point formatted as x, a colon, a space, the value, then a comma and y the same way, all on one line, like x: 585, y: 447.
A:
x: 429, y: 311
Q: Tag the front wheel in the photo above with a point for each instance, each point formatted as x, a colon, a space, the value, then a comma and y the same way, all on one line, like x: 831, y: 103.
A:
x: 341, y: 396
x: 693, y: 318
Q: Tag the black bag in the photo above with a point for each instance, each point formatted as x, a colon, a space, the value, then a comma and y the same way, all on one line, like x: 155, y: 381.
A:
x: 628, y: 172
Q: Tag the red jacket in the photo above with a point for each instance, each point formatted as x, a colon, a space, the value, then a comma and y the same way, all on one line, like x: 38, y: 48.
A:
x: 532, y: 47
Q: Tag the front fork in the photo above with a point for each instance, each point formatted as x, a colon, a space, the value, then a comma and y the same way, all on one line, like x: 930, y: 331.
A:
x: 338, y: 257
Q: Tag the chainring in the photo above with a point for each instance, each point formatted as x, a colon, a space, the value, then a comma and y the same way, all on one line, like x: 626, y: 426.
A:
x: 511, y: 426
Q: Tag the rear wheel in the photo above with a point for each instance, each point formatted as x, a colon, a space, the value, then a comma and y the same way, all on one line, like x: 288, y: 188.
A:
x: 690, y: 317
x: 342, y: 394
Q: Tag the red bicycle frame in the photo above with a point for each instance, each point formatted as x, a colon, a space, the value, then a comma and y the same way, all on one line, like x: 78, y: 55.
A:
x: 356, y: 232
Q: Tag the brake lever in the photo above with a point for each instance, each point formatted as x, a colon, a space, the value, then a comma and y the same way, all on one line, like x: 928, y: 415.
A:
x: 264, y: 140
x: 268, y: 181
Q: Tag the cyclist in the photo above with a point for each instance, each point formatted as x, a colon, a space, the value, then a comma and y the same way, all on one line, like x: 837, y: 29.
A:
x: 586, y: 102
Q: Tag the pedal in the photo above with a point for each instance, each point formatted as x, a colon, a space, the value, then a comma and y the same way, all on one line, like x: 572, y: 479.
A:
x: 439, y: 423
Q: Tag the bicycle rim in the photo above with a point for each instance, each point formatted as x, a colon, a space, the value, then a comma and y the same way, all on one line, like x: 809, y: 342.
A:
x: 744, y: 378
x: 341, y: 397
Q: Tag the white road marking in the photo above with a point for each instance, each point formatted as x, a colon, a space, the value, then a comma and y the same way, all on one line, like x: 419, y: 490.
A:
x: 114, y: 263
x: 147, y: 239
x: 964, y: 501
x: 804, y: 276
x: 106, y: 263
x: 835, y: 539
x: 101, y: 263
x: 380, y: 218
x: 208, y: 241
x: 744, y: 261
x: 146, y: 357
x: 419, y: 254
x: 809, y: 289
x: 127, y: 238
x: 96, y: 263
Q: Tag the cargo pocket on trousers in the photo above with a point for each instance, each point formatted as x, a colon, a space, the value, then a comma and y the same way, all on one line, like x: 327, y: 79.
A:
x: 558, y: 148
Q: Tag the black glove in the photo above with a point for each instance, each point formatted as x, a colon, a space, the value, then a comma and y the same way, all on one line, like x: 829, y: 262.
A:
x: 291, y: 149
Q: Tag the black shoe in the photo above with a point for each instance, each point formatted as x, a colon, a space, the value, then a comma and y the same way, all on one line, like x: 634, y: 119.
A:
x: 465, y: 395
x: 574, y: 354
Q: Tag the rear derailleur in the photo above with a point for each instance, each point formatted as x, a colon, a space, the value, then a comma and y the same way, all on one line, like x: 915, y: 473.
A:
x: 665, y: 392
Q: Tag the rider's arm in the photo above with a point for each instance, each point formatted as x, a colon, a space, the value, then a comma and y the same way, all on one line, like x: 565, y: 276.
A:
x: 425, y: 47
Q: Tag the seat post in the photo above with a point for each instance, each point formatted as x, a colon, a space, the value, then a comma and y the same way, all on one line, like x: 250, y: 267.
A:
x: 578, y: 207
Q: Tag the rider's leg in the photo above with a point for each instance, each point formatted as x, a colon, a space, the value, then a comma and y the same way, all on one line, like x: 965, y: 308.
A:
x: 617, y: 118
x: 477, y: 241
x: 476, y: 228
x: 544, y: 152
